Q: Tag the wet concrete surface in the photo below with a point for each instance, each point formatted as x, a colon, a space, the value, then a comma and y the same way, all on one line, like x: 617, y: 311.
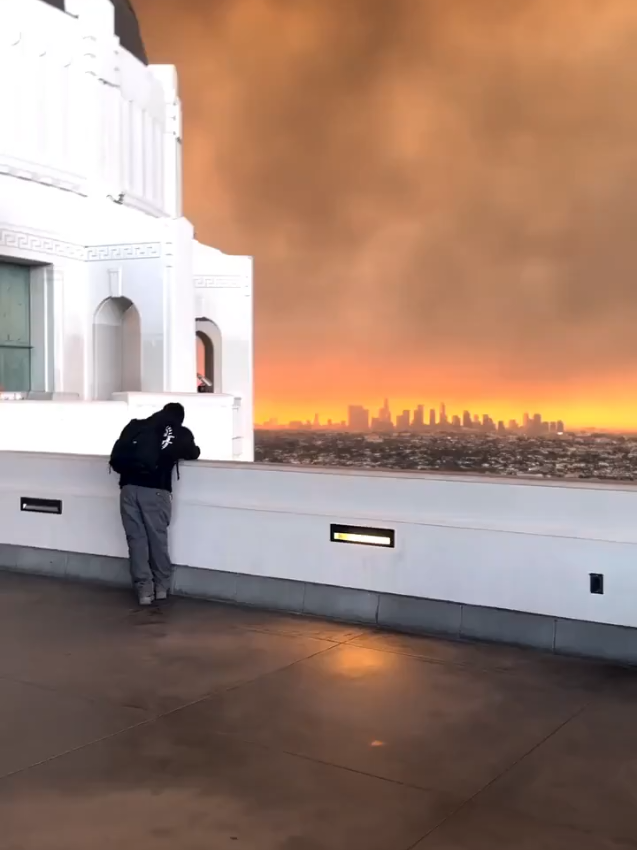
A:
x: 203, y: 727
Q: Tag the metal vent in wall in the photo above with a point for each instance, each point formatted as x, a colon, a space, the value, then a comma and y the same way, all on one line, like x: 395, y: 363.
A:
x: 40, y: 506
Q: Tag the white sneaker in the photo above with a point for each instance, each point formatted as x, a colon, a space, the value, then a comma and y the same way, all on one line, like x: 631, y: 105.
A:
x: 161, y: 595
x: 145, y: 601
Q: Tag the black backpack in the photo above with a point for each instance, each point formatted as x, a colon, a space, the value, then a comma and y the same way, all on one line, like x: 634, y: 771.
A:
x: 138, y: 450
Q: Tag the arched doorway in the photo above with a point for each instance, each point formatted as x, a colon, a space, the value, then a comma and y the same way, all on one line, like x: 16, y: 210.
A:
x: 116, y: 348
x: 209, y: 353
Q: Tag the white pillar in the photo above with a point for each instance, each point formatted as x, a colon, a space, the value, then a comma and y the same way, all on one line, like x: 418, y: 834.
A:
x: 173, y: 171
x: 180, y: 352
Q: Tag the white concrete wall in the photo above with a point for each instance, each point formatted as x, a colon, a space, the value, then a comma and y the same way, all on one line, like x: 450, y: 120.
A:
x: 224, y: 295
x: 180, y: 365
x: 140, y: 280
x: 520, y: 546
x: 83, y: 427
x: 173, y: 159
x: 47, y: 142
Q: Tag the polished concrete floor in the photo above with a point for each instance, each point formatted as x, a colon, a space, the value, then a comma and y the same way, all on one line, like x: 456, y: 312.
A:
x: 202, y: 727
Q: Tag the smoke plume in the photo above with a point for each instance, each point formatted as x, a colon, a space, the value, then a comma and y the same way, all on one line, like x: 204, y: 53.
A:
x: 438, y: 193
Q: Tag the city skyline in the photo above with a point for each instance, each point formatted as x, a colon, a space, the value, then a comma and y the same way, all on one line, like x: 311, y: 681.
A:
x: 422, y: 418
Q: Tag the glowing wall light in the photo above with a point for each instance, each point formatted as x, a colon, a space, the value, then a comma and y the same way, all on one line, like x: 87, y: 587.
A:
x: 384, y: 537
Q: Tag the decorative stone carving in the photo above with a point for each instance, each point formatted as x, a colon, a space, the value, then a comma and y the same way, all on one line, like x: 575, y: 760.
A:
x: 219, y: 281
x: 20, y: 241
x: 144, y: 251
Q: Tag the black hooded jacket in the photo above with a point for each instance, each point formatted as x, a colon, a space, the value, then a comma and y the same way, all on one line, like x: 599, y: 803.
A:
x: 181, y: 447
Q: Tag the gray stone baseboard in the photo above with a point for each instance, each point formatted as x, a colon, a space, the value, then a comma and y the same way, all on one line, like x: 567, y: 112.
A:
x: 381, y: 610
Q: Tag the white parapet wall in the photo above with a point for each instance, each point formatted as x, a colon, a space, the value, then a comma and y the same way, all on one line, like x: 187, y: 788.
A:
x: 495, y: 544
x: 91, y: 427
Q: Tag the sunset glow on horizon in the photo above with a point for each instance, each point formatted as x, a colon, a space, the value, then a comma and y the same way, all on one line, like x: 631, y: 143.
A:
x: 576, y: 417
x: 297, y: 392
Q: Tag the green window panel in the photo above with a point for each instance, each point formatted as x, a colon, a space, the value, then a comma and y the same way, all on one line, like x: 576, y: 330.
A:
x: 15, y: 328
x: 15, y: 369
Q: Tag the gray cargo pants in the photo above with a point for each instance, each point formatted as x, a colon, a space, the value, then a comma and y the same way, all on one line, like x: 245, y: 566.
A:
x: 146, y: 516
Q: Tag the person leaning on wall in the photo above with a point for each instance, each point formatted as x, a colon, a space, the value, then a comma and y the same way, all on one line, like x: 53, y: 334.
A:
x: 144, y: 456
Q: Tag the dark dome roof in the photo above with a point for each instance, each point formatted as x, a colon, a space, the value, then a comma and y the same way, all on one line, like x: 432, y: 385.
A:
x: 126, y: 27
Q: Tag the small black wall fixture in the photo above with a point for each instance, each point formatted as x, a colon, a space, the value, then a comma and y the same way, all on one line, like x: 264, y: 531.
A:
x: 597, y: 583
x: 40, y: 506
x: 362, y: 536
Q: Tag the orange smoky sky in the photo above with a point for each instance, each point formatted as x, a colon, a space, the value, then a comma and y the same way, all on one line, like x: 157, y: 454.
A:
x: 440, y: 195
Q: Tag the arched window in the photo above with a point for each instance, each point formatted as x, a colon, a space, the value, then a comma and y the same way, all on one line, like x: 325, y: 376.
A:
x: 116, y: 348
x: 205, y: 360
x: 209, y: 354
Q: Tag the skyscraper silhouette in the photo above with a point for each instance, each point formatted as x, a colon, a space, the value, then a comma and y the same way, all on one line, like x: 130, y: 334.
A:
x: 402, y: 421
x: 358, y: 418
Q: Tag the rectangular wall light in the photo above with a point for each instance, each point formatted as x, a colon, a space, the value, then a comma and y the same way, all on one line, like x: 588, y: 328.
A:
x: 41, y: 506
x: 355, y: 534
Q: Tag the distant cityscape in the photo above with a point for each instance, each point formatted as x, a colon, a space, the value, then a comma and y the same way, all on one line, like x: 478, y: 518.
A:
x: 604, y: 457
x: 435, y: 441
x: 421, y: 421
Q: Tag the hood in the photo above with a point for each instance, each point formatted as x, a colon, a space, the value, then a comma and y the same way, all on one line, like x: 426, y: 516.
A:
x: 171, y: 414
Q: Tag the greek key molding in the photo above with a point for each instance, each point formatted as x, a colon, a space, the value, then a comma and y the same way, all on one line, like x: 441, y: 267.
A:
x: 221, y: 281
x: 33, y: 243
x: 17, y: 240
x: 142, y: 251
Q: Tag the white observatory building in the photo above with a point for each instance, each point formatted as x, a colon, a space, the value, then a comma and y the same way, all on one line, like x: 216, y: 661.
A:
x: 104, y: 291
